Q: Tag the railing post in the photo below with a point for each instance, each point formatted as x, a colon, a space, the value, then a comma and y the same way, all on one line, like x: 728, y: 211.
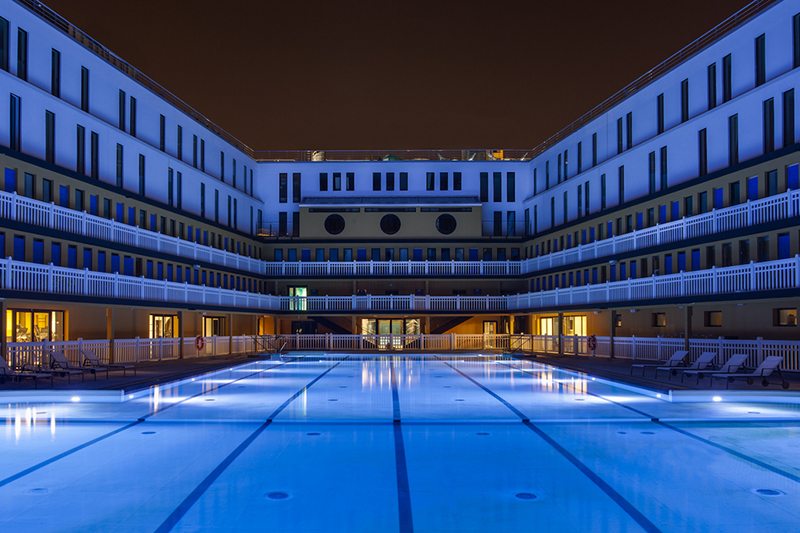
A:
x: 796, y: 270
x: 749, y: 206
x: 50, y: 278
x: 83, y: 222
x: 13, y: 209
x: 752, y: 286
x: 633, y: 347
x: 86, y: 281
x: 7, y: 274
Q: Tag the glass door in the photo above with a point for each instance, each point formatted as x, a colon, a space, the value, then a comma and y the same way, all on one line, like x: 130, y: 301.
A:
x: 390, y: 332
x: 213, y: 326
x: 489, y: 332
x: 298, y: 297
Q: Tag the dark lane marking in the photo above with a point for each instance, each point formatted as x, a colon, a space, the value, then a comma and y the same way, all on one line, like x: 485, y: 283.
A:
x: 104, y: 436
x: 620, y: 500
x: 188, y: 502
x: 656, y: 420
x: 403, y: 487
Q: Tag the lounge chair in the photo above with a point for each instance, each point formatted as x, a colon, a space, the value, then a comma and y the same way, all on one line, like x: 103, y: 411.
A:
x: 702, y: 361
x: 8, y: 372
x: 59, y: 364
x: 731, y: 366
x: 673, y: 362
x: 91, y: 360
x: 770, y: 365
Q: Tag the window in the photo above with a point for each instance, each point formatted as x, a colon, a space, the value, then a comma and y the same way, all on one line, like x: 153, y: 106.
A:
x: 511, y: 194
x: 4, y: 44
x: 602, y: 191
x: 121, y: 120
x: 323, y: 181
x: 80, y: 147
x: 762, y: 248
x: 702, y: 152
x: 651, y: 171
x: 659, y: 320
x: 47, y: 190
x: 55, y: 72
x: 170, y: 186
x: 390, y: 181
x: 351, y: 181
x: 15, y: 122
x: 594, y: 149
x: 684, y: 100
x: 94, y: 154
x: 22, y: 54
x: 29, y: 185
x: 85, y: 89
x: 712, y: 85
x: 663, y: 173
x: 444, y: 180
x: 404, y: 180
x: 282, y: 187
x: 621, y: 179
x: 619, y: 135
x: 119, y: 165
x: 660, y: 113
x: 430, y: 178
x: 180, y: 142
x: 497, y: 183
x: 50, y: 136
x: 733, y: 139
x: 484, y: 186
x: 713, y: 319
x: 785, y: 317
x: 768, y: 114
x: 761, y: 65
x: 788, y: 117
x: 796, y: 40
x: 162, y: 135
x: 141, y: 175
x: 376, y: 181
x: 580, y: 157
x: 628, y: 135
x: 337, y: 181
x: 726, y: 78
x: 497, y: 227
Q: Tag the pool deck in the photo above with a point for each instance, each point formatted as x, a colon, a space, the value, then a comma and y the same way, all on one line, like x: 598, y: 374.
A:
x: 156, y: 373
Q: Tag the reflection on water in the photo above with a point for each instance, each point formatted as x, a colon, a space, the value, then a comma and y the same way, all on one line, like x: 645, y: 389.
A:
x: 25, y: 421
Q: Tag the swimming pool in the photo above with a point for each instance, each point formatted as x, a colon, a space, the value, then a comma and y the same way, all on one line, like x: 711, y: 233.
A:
x: 405, y: 444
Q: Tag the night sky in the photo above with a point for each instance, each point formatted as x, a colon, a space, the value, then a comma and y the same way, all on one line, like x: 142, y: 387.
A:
x: 400, y: 74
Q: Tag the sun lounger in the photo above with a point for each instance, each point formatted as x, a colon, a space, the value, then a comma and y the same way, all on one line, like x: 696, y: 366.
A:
x: 673, y: 362
x: 8, y: 372
x: 732, y: 365
x: 770, y: 365
x: 59, y: 364
x: 91, y: 360
x: 702, y: 361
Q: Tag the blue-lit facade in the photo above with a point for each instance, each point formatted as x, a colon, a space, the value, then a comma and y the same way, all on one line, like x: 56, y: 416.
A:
x: 669, y: 210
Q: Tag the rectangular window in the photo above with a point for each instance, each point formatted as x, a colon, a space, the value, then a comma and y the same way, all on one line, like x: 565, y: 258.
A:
x: 788, y: 117
x: 122, y: 105
x: 621, y: 178
x: 94, y: 154
x: 337, y: 181
x: 216, y: 205
x: 712, y: 85
x: 376, y: 181
x: 586, y: 196
x: 580, y: 157
x: 119, y: 165
x: 511, y: 190
x: 579, y: 198
x: 497, y: 184
x: 444, y: 181
x: 283, y: 186
x: 404, y: 180
x: 484, y: 186
x: 628, y: 132
x: 22, y: 54
x: 726, y: 78
x: 511, y: 223
x: 602, y: 191
x: 702, y: 152
x: 4, y: 44
x: 141, y: 175
x: 351, y: 181
x: 594, y: 149
x: 15, y: 122
x: 162, y: 133
x: 768, y: 114
x: 179, y: 139
x: 194, y: 151
x: 203, y: 160
x: 733, y: 140
x: 684, y: 100
x: 50, y: 136
x: 651, y: 171
x: 390, y: 181
x: 713, y: 319
x: 55, y: 72
x: 761, y: 61
x: 659, y: 320
x: 785, y: 317
x: 295, y: 224
x: 85, y: 89
x: 296, y: 187
x: 323, y: 181
x: 619, y: 135
x: 796, y: 40
x: 170, y: 186
x: 430, y: 181
x: 80, y: 147
x: 497, y: 228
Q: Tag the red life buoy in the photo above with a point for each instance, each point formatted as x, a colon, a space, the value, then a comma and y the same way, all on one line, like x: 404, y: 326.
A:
x: 592, y: 342
x: 199, y: 342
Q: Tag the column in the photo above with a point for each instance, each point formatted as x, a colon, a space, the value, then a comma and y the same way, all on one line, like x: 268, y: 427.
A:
x: 612, y: 332
x: 180, y: 334
x: 110, y: 333
x: 3, y: 327
x: 688, y: 312
x: 560, y: 334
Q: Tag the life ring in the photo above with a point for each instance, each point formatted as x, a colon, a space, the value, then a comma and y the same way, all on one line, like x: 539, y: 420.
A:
x: 592, y: 342
x: 199, y: 343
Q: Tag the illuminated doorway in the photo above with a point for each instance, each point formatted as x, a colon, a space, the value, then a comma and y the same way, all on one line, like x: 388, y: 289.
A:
x: 213, y: 326
x: 163, y: 326
x: 297, y: 301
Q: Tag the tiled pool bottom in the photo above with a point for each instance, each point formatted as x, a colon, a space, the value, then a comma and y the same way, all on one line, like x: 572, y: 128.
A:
x: 398, y: 445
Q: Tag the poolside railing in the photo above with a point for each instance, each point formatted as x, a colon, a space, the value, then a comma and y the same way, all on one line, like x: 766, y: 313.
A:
x: 139, y: 350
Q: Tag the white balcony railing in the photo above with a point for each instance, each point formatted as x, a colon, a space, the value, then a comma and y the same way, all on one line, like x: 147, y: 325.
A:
x: 773, y: 208
x: 754, y: 277
x: 48, y: 215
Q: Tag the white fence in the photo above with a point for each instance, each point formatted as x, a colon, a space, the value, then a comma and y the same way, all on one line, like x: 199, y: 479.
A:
x: 765, y: 276
x: 138, y: 350
x: 49, y: 215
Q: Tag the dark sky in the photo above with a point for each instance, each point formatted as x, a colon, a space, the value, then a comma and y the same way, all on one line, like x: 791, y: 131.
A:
x: 332, y: 74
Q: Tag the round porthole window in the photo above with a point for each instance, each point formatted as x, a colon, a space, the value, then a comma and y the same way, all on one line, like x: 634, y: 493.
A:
x: 390, y: 224
x: 446, y: 224
x: 334, y: 224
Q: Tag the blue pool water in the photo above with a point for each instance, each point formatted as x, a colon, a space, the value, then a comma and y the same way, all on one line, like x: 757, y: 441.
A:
x: 425, y: 444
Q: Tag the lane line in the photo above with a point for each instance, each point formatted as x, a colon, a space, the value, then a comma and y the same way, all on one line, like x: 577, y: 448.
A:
x: 79, y: 447
x: 656, y: 420
x: 180, y: 511
x: 615, y: 496
x: 401, y: 467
